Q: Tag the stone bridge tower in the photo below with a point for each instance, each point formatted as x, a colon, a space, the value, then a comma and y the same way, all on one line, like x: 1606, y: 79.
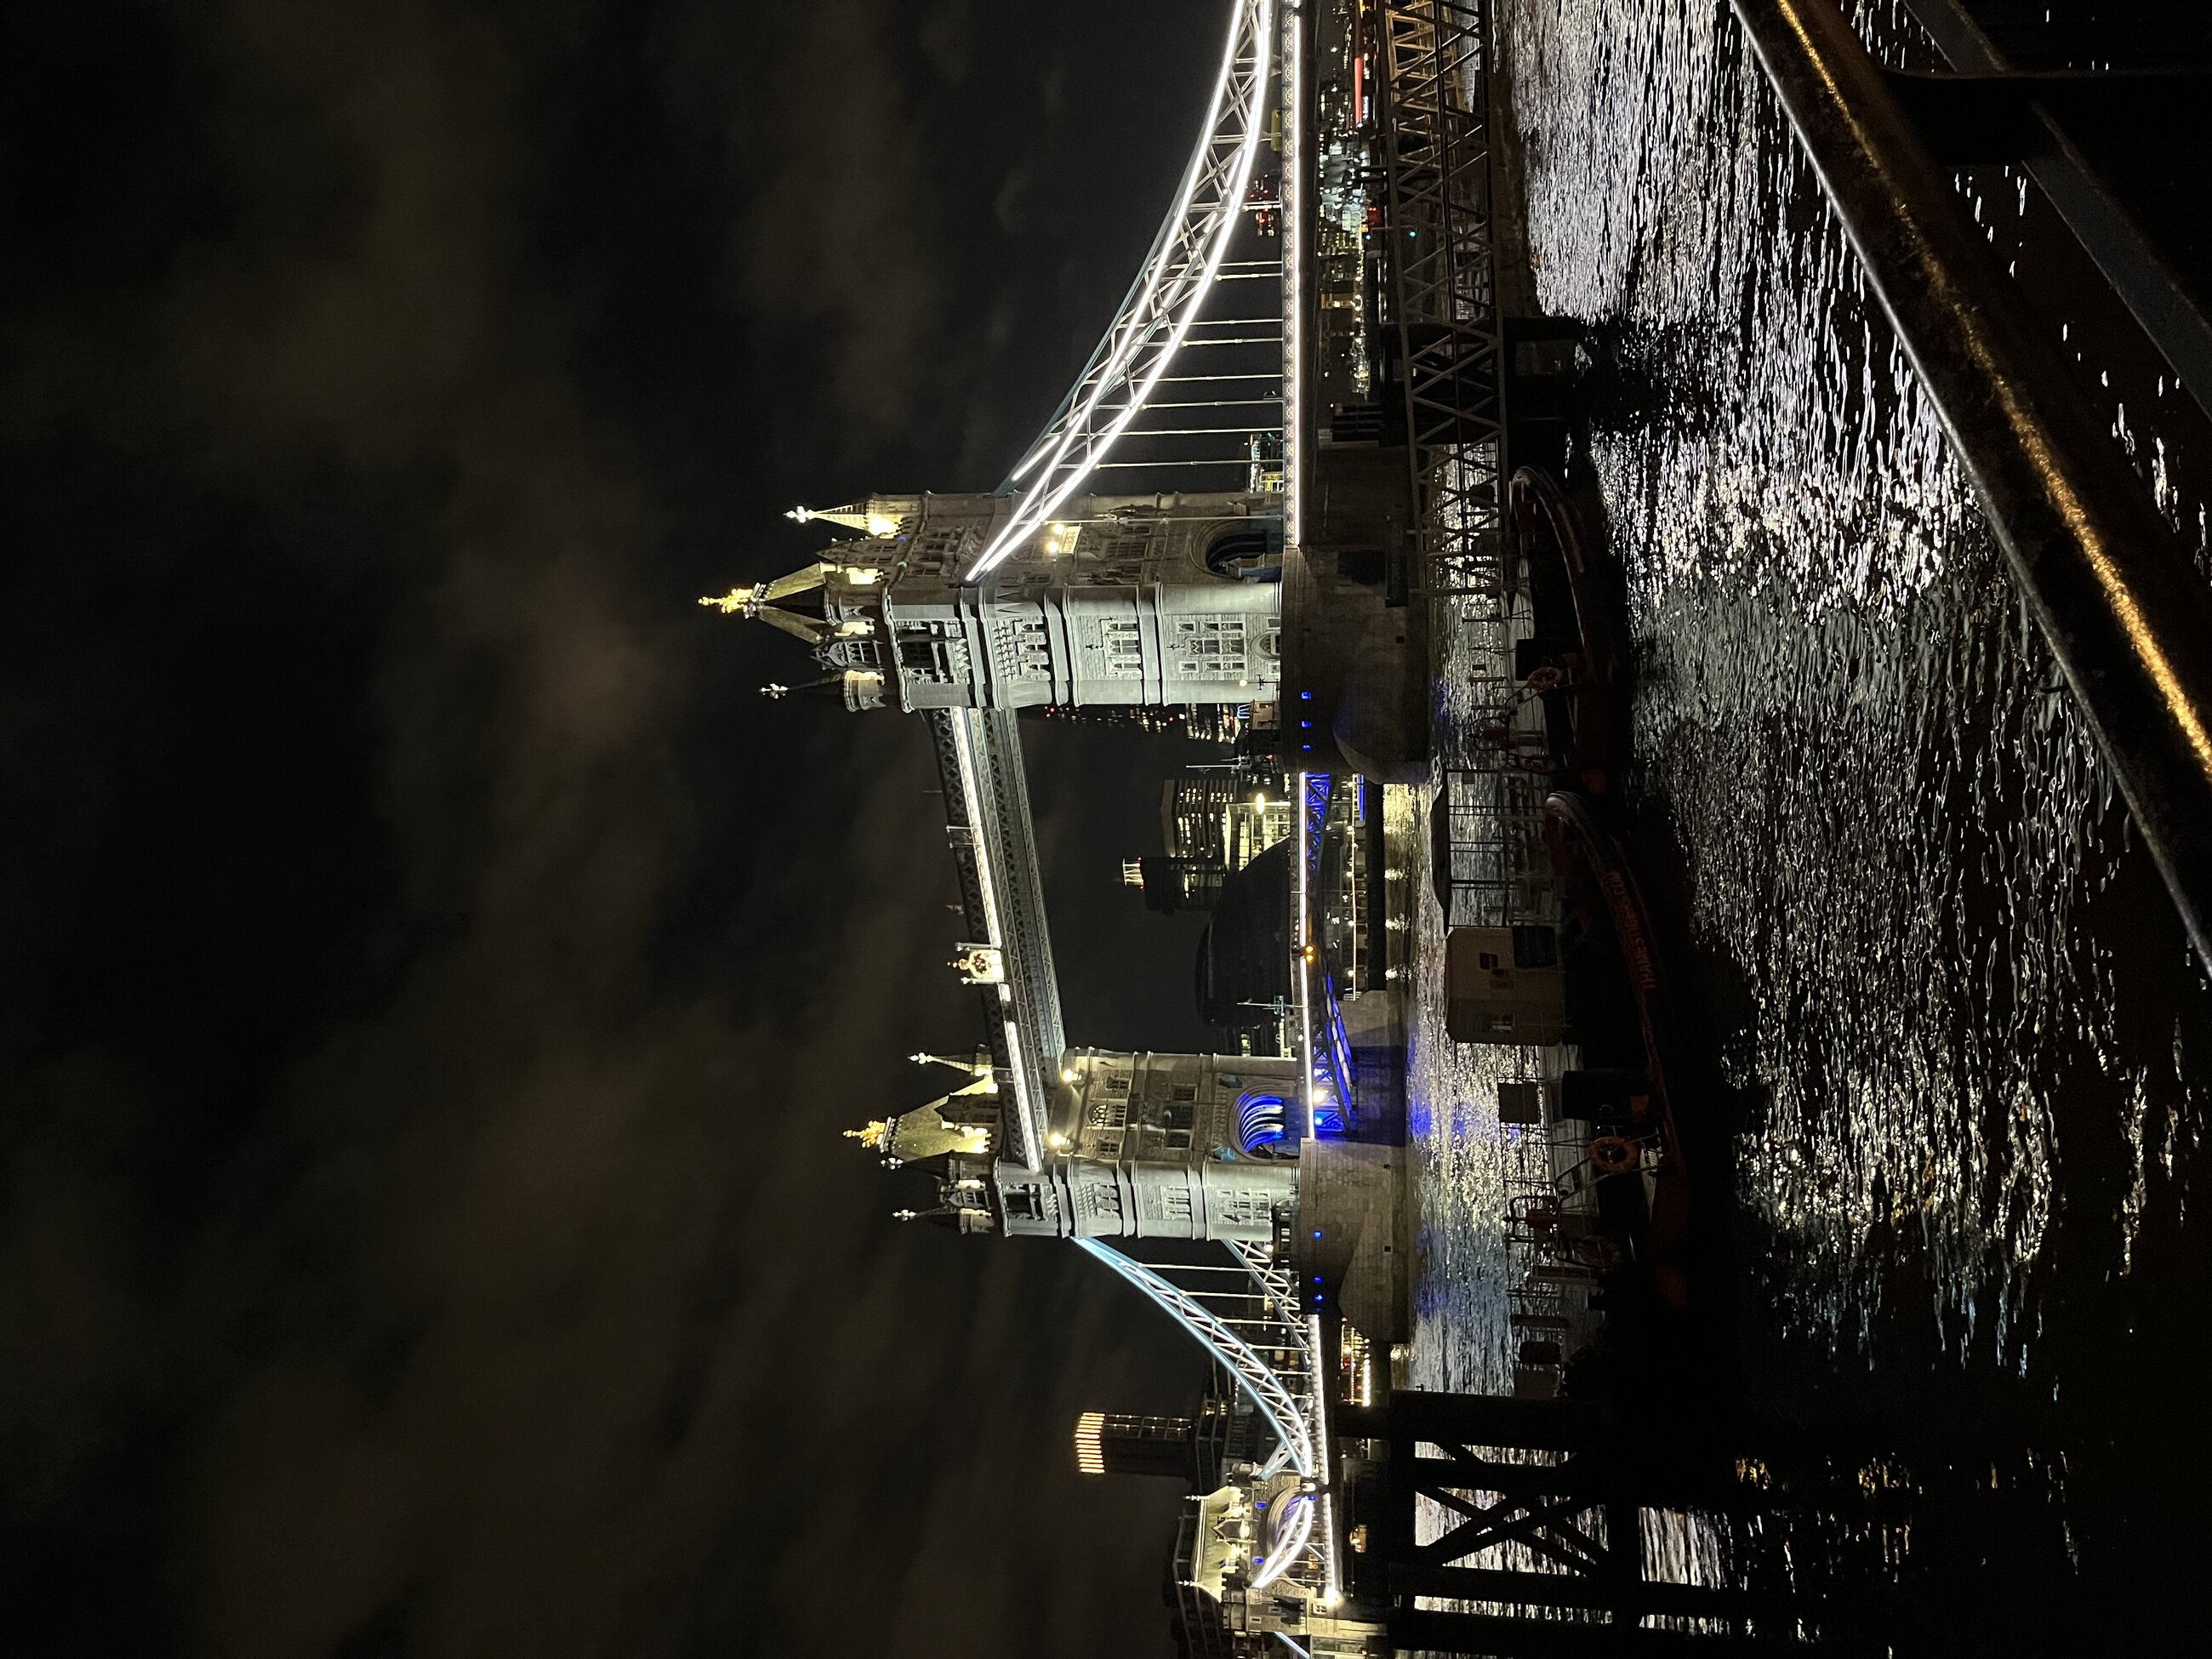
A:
x: 1129, y: 599
x: 1142, y: 1146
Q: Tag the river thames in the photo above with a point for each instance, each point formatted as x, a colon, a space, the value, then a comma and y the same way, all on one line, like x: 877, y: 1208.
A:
x: 1960, y: 1054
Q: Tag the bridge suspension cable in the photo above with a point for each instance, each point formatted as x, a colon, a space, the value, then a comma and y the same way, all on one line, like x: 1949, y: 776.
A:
x: 1164, y: 303
x: 1283, y: 1390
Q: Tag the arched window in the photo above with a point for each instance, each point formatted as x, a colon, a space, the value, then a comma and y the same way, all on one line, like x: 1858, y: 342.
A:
x: 1263, y: 1125
x: 1247, y: 551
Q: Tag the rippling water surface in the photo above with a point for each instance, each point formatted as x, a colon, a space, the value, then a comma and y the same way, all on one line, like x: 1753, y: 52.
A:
x: 1961, y: 1052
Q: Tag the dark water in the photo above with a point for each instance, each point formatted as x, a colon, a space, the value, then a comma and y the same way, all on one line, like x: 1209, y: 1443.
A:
x: 1960, y: 1057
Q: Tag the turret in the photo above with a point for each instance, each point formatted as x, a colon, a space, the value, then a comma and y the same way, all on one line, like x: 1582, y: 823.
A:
x: 964, y: 1121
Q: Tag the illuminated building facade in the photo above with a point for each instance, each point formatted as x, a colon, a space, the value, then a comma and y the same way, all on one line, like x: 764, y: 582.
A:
x: 1141, y: 1146
x: 1214, y: 821
x: 1125, y: 601
x: 1174, y: 1448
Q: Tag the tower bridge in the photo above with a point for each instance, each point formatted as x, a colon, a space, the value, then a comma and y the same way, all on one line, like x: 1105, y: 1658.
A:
x: 1290, y: 432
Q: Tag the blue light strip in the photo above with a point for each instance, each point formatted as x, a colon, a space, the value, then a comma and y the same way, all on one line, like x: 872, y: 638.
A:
x: 1319, y: 787
x: 1330, y: 1058
x: 1337, y: 1054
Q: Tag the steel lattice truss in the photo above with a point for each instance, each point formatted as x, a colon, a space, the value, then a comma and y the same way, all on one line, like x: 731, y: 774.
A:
x: 1442, y: 282
x: 1274, y: 1279
x: 1320, y: 789
x: 1167, y: 297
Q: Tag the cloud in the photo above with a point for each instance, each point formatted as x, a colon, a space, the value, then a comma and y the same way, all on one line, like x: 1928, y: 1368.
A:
x: 822, y: 140
x: 948, y: 40
x: 564, y: 1247
x: 1006, y: 207
x: 425, y: 1228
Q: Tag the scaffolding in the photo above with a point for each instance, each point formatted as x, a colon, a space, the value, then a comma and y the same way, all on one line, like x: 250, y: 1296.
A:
x: 1441, y: 328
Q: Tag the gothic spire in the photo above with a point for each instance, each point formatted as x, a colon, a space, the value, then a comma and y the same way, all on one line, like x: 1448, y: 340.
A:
x: 865, y: 516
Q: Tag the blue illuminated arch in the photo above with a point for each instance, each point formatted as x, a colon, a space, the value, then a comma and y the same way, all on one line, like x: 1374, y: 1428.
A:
x: 1263, y: 1122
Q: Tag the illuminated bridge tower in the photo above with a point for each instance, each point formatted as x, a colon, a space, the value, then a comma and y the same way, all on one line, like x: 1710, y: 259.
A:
x: 1156, y: 1145
x: 1125, y: 600
x: 1140, y: 1146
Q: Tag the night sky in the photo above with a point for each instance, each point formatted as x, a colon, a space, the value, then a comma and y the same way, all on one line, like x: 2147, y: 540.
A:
x: 435, y: 979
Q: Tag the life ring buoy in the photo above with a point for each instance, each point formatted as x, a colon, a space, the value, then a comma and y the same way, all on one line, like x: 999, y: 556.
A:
x: 1614, y: 1154
x: 1546, y: 679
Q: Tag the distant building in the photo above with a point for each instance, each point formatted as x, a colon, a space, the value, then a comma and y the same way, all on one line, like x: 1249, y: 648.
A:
x: 1214, y: 821
x: 1178, y: 1448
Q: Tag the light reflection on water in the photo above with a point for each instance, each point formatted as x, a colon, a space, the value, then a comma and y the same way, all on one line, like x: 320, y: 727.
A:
x: 1908, y: 877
